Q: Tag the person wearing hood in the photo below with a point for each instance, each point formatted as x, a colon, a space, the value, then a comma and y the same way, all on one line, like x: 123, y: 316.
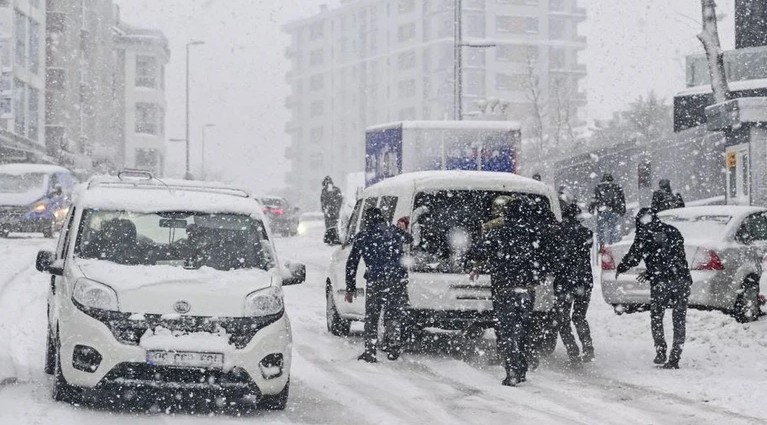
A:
x: 331, y: 201
x: 574, y: 282
x: 610, y: 205
x: 382, y: 246
x: 661, y: 247
x: 664, y: 198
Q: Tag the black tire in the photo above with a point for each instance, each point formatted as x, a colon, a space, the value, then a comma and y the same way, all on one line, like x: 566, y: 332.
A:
x: 5, y: 231
x: 746, y: 307
x: 336, y: 325
x: 61, y: 390
x: 275, y: 402
x: 50, y: 355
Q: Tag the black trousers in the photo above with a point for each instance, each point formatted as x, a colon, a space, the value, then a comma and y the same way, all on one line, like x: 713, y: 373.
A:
x: 664, y: 295
x: 391, y: 298
x: 331, y: 231
x: 573, y: 306
x: 513, y: 310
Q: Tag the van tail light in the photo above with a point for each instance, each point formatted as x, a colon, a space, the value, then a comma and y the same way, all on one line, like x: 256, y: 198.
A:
x: 606, y: 256
x: 706, y: 259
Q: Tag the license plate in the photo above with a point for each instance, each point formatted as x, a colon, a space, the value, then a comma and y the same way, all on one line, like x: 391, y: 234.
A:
x: 185, y: 359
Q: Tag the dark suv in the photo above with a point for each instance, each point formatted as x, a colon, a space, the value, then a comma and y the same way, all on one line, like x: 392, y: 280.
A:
x: 282, y: 217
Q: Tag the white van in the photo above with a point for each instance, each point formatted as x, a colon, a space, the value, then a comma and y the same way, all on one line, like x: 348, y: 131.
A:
x: 446, y: 210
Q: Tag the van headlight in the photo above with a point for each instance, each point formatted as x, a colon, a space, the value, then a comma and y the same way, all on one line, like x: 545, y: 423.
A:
x: 91, y: 294
x: 265, y: 302
x: 39, y: 207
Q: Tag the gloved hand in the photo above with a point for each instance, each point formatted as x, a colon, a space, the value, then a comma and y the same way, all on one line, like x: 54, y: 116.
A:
x: 349, y: 297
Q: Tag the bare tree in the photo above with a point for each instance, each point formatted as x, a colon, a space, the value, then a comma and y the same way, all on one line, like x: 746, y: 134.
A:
x: 535, y: 96
x: 709, y: 37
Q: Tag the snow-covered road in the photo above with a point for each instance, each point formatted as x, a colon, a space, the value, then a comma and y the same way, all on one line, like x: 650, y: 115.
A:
x: 450, y: 379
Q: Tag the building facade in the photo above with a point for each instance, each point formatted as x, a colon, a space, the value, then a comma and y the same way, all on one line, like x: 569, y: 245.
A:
x: 22, y: 80
x: 370, y: 62
x: 142, y: 55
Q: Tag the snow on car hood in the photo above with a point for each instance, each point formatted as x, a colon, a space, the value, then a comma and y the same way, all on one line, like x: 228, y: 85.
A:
x: 156, y: 289
x: 21, y: 199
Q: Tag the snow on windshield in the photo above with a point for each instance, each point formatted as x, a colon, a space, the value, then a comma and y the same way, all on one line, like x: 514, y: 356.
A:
x: 190, y: 240
x: 21, y: 183
x: 699, y: 227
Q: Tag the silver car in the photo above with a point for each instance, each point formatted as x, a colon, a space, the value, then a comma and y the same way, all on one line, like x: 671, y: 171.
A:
x: 724, y: 246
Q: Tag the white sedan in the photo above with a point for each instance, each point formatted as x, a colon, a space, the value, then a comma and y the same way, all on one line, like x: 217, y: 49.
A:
x: 724, y: 246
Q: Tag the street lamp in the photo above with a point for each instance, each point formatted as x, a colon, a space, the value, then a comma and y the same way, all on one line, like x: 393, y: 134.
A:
x: 202, y: 162
x: 458, y: 46
x: 188, y: 174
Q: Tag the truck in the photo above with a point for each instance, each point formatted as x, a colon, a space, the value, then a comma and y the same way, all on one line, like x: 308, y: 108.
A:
x: 407, y: 146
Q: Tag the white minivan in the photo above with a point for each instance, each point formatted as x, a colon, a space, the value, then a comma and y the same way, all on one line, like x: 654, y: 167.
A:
x: 161, y: 285
x: 446, y: 210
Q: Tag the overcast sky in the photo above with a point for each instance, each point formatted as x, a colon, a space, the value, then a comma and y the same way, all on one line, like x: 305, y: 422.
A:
x: 238, y: 78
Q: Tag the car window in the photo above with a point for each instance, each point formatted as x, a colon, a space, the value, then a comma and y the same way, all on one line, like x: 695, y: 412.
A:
x: 189, y: 240
x: 351, y: 228
x: 388, y: 206
x: 699, y: 226
x: 753, y: 228
x: 66, y: 233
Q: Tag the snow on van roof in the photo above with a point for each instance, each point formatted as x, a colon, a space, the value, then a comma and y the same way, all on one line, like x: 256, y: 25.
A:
x: 453, y: 179
x: 759, y: 83
x: 32, y: 168
x: 168, y: 195
x: 451, y: 125
x: 713, y: 210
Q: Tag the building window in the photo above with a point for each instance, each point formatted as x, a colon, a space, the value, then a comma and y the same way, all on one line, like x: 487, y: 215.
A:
x: 406, y: 60
x: 513, y: 82
x: 557, y: 58
x: 56, y: 79
x: 316, y: 108
x: 316, y: 31
x: 147, y: 118
x: 146, y: 71
x: 316, y: 134
x: 475, y: 82
x: 316, y: 82
x: 34, y: 46
x: 146, y: 159
x: 406, y: 88
x: 558, y: 29
x: 33, y: 130
x: 516, y: 53
x: 20, y: 27
x: 557, y: 5
x: 516, y: 24
x: 406, y: 32
x: 20, y: 107
x: 475, y: 57
x: 405, y: 6
x: 475, y: 25
x: 316, y: 57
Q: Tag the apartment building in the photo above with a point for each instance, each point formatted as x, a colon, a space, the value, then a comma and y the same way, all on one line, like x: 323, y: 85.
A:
x: 142, y: 55
x: 22, y: 79
x: 370, y: 61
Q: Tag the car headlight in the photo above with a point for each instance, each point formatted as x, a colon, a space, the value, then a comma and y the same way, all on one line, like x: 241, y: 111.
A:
x: 302, y: 228
x: 92, y: 294
x: 39, y: 207
x: 265, y: 302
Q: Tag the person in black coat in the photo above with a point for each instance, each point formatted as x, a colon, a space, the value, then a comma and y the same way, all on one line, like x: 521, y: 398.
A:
x: 661, y: 246
x: 515, y: 255
x: 331, y: 200
x: 610, y: 205
x: 664, y: 198
x: 381, y: 245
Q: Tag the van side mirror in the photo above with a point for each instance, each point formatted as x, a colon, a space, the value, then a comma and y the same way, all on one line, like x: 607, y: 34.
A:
x: 297, y: 274
x: 46, y: 263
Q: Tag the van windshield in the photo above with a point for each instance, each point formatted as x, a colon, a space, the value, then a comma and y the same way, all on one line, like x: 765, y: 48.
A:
x: 21, y: 183
x: 184, y: 239
x: 449, y: 224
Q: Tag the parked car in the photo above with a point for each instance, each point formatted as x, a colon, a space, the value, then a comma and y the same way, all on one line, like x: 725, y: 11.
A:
x: 441, y: 206
x: 163, y: 285
x: 281, y: 216
x: 724, y: 246
x: 311, y: 223
x: 34, y: 198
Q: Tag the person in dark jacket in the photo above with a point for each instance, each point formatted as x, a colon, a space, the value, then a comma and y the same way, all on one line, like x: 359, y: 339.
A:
x: 661, y: 246
x: 331, y: 201
x: 664, y: 198
x: 381, y: 245
x: 610, y: 205
x: 515, y: 256
x: 573, y: 283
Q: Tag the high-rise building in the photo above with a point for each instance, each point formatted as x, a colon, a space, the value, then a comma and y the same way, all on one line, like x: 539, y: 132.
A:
x: 369, y: 62
x: 22, y: 80
x: 142, y: 55
x: 80, y: 107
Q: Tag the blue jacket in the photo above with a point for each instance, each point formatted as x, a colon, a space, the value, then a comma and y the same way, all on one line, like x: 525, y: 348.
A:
x: 382, y: 247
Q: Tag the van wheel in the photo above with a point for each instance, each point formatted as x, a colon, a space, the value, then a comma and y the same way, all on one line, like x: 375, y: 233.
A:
x: 746, y: 307
x: 61, y: 390
x: 5, y: 230
x: 336, y: 325
x: 275, y: 402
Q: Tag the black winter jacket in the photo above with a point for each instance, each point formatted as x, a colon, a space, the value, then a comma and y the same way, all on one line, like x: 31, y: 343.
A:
x: 331, y: 201
x: 573, y: 259
x: 609, y: 196
x: 382, y: 248
x: 661, y: 246
x: 663, y: 200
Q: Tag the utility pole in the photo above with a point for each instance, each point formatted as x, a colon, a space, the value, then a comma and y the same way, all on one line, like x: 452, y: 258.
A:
x: 458, y: 62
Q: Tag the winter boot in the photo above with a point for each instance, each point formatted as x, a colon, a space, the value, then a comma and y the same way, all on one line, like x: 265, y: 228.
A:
x: 660, y: 358
x: 588, y: 355
x: 367, y: 356
x: 574, y: 363
x: 671, y: 364
x: 393, y: 353
x: 511, y: 380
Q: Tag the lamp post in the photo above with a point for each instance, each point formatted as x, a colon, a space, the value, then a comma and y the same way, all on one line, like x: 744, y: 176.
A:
x: 202, y: 162
x: 458, y: 46
x: 188, y: 174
